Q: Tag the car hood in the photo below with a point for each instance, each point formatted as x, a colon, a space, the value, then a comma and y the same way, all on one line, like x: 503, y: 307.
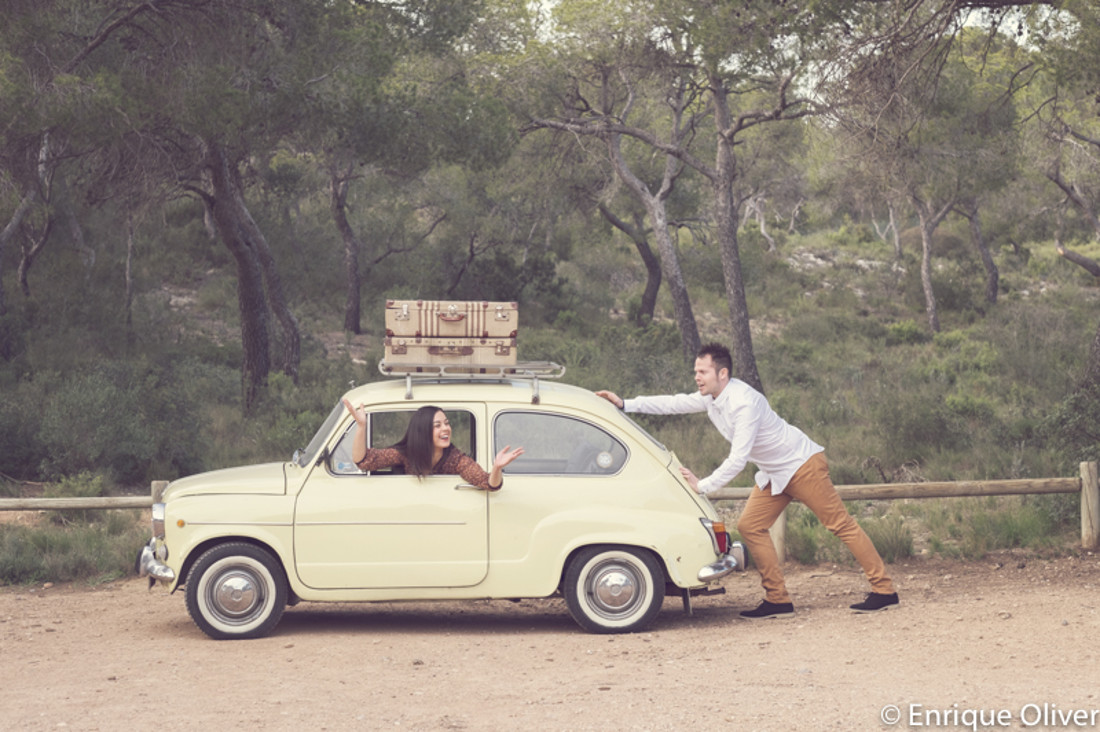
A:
x: 269, y: 478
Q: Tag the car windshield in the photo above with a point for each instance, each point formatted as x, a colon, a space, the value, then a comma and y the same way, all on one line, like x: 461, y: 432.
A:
x: 302, y: 458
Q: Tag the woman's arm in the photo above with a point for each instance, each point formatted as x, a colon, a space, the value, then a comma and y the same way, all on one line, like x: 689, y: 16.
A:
x: 359, y: 442
x: 503, y: 458
x: 365, y: 458
x: 464, y: 465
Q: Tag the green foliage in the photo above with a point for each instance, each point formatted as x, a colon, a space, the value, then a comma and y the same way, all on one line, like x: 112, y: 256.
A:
x: 81, y: 485
x: 892, y: 538
x: 91, y: 552
x: 109, y: 418
x: 972, y: 528
x: 1073, y: 425
x: 905, y: 332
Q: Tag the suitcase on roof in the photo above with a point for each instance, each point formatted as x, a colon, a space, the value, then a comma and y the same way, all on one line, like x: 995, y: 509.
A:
x: 457, y: 351
x: 451, y: 319
x: 451, y: 332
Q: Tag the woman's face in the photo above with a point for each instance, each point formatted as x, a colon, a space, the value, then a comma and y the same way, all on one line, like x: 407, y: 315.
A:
x: 441, y: 431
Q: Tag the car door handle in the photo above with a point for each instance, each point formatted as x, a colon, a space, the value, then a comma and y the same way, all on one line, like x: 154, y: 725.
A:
x: 468, y: 487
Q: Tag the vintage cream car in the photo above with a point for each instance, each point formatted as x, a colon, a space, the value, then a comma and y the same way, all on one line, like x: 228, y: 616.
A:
x: 595, y: 510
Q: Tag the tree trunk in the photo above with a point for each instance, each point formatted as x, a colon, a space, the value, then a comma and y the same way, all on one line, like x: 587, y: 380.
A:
x: 352, y: 247
x: 744, y: 357
x: 1092, y: 365
x: 725, y: 211
x: 31, y: 247
x: 992, y: 275
x: 257, y: 244
x: 8, y: 233
x: 652, y: 263
x: 673, y: 274
x: 226, y: 211
x: 129, y: 273
x: 929, y: 220
x: 276, y: 298
x: 670, y: 260
x: 897, y: 234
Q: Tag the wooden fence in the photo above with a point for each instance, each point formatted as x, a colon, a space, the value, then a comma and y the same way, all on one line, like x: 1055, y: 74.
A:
x: 1088, y: 485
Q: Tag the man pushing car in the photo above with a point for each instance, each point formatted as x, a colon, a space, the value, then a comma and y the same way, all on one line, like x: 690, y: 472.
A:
x: 790, y: 466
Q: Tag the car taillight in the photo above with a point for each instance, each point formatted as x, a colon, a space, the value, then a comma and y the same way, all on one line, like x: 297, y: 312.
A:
x: 722, y: 536
x: 718, y: 535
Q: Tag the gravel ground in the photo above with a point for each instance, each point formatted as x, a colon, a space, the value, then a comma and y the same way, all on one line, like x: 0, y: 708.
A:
x: 1006, y: 643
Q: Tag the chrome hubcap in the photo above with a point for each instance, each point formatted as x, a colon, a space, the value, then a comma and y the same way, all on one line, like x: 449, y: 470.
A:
x: 236, y: 594
x: 614, y: 590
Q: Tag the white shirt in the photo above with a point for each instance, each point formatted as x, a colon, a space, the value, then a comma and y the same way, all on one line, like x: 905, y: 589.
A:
x: 756, y: 433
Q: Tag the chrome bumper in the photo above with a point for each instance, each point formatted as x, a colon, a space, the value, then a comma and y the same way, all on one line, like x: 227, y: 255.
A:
x: 148, y: 565
x: 731, y: 561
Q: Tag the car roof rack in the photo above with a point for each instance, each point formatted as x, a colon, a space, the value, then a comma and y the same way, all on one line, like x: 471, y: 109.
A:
x: 532, y: 370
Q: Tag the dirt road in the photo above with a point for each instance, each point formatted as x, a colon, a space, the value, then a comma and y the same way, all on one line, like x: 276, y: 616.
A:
x: 1000, y: 644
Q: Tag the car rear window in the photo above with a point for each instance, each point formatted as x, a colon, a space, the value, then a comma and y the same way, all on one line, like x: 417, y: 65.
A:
x: 557, y: 445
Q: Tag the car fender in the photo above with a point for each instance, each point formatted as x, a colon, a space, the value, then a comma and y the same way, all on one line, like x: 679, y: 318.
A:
x: 681, y: 543
x: 195, y: 523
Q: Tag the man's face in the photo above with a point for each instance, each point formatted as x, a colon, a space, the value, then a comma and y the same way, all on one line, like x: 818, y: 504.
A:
x: 707, y: 377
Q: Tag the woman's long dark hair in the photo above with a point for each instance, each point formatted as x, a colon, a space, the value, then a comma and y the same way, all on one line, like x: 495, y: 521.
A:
x: 417, y: 445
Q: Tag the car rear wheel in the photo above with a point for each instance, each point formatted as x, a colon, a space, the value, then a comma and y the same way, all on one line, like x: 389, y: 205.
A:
x: 612, y: 589
x: 236, y: 590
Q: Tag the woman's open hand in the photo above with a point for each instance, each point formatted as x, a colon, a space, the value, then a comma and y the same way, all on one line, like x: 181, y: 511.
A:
x: 360, y: 414
x: 505, y: 456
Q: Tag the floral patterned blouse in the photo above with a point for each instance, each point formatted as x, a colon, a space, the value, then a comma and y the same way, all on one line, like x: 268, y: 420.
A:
x: 453, y: 462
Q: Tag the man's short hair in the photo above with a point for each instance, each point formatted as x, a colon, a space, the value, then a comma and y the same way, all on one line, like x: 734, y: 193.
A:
x: 719, y: 356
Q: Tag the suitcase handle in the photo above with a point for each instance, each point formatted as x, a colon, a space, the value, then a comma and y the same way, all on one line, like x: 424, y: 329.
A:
x: 452, y: 317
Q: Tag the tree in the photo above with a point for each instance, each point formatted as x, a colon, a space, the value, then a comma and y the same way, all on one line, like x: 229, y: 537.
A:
x: 614, y: 71
x: 51, y: 117
x: 199, y: 90
x: 936, y: 121
x: 1070, y: 44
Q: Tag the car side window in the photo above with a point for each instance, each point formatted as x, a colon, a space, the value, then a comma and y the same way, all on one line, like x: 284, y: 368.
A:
x: 557, y: 445
x: 387, y: 427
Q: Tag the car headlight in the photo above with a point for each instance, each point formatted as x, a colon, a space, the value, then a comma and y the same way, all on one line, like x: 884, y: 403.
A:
x: 158, y: 520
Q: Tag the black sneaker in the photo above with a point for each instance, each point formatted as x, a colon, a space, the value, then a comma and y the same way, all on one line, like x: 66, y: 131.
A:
x: 769, y: 610
x: 876, y: 601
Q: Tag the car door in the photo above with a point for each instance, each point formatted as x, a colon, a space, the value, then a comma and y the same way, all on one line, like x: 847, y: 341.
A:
x: 390, y: 530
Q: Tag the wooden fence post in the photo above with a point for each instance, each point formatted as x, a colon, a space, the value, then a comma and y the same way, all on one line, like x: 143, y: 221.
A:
x: 1090, y: 507
x: 779, y: 535
x: 156, y: 489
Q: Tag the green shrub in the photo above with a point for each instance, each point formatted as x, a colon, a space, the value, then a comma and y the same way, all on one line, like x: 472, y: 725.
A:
x: 891, y: 537
x: 101, y: 551
x: 81, y: 485
x: 127, y: 419
x: 20, y: 416
x: 906, y: 332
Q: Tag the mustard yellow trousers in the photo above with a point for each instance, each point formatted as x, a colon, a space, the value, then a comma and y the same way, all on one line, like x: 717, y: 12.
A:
x: 812, y: 486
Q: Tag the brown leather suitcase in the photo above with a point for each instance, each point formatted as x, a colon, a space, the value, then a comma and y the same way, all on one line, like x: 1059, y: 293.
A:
x: 451, y: 332
x: 451, y: 319
x: 458, y: 351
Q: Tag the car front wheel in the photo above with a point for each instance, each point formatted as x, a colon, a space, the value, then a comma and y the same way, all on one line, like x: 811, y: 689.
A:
x: 612, y: 589
x: 236, y: 590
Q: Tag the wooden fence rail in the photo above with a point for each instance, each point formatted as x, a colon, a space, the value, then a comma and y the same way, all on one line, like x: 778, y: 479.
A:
x: 1088, y: 485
